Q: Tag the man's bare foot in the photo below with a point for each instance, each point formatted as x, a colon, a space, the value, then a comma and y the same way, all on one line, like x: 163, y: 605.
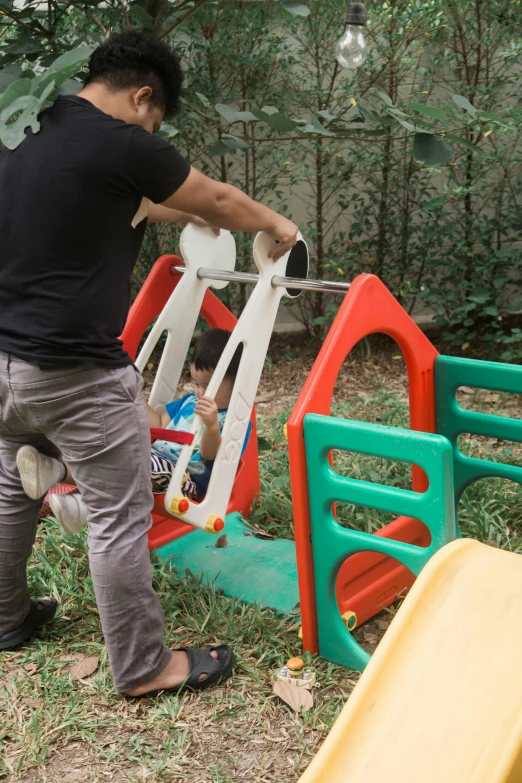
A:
x: 175, y: 673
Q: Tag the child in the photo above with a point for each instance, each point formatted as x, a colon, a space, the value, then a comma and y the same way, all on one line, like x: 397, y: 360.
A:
x: 39, y: 473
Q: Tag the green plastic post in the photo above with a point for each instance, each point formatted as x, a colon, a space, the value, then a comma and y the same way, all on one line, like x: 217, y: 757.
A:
x: 332, y: 544
x: 452, y: 420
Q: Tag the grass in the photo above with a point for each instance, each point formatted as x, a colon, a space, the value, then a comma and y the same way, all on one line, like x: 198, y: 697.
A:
x: 53, y: 728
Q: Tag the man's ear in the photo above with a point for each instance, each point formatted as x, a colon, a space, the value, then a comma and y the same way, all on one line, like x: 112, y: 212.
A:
x: 141, y: 96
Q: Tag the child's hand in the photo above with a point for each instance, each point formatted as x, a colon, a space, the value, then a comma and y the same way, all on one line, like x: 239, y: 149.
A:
x: 208, y: 410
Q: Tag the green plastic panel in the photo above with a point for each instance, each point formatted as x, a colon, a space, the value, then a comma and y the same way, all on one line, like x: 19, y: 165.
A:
x: 332, y: 543
x: 251, y: 569
x: 452, y: 420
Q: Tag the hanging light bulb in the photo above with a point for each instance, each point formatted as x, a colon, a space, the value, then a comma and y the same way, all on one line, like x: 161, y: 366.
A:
x: 351, y: 50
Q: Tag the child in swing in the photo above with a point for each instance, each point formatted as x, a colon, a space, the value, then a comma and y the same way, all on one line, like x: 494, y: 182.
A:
x: 39, y: 473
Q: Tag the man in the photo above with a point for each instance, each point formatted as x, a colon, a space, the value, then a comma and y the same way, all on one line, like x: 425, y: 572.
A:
x: 73, y: 205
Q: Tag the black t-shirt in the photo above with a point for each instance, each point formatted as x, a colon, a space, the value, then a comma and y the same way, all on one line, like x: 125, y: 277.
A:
x: 68, y: 197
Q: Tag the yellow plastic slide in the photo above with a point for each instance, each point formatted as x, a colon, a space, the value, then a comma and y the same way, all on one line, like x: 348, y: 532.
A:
x: 441, y: 699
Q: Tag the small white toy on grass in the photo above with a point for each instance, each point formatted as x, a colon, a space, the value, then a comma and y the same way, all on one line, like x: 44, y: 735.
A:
x: 297, y: 674
x: 293, y: 684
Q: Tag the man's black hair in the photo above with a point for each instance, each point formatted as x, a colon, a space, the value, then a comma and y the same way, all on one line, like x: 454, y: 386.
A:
x: 208, y: 350
x: 138, y: 59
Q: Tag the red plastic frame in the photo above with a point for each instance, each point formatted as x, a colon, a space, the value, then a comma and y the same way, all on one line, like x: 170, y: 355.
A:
x: 366, y: 582
x: 149, y: 303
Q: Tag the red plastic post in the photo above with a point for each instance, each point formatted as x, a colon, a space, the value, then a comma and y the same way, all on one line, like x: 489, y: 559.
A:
x: 365, y: 582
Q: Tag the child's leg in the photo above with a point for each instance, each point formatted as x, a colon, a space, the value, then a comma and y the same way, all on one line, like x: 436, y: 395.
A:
x: 39, y: 473
x: 190, y: 489
x: 70, y: 511
x: 161, y: 471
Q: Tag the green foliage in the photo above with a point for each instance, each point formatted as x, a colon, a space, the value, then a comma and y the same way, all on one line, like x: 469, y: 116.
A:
x: 25, y: 98
x: 408, y: 168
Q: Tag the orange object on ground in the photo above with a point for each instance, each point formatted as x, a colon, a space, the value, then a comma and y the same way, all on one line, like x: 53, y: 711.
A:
x: 150, y: 301
x: 366, y: 582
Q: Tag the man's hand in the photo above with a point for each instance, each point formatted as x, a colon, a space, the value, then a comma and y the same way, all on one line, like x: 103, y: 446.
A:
x: 208, y: 410
x: 285, y: 233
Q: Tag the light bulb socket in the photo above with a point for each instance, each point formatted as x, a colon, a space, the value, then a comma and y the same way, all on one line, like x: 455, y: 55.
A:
x: 356, y: 14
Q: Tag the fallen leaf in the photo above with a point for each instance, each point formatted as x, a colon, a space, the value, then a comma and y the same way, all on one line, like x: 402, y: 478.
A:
x: 383, y: 625
x: 371, y: 638
x: 492, y: 543
x: 265, y: 397
x: 222, y: 542
x: 10, y: 764
x: 84, y: 668
x: 139, y: 709
x: 466, y: 389
x: 31, y: 667
x: 257, y: 531
x: 34, y: 703
x: 293, y: 695
x: 397, y: 357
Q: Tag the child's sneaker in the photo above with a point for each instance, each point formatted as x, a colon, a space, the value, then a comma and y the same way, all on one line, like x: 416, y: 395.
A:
x: 38, y: 472
x: 70, y: 512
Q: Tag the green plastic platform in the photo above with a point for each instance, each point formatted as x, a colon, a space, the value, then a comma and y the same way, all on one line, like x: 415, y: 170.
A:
x: 251, y: 569
x: 452, y: 420
x: 332, y: 543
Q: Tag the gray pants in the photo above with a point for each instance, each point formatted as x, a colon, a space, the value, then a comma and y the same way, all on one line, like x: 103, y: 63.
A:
x: 96, y: 419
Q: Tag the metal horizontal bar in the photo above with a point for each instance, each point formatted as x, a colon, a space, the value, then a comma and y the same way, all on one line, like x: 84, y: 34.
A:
x: 323, y: 286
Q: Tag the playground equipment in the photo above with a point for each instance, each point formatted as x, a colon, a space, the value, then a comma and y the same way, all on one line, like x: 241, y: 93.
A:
x: 253, y: 330
x: 370, y: 580
x: 174, y: 295
x: 440, y: 699
x: 357, y: 571
x: 398, y: 725
x: 365, y: 574
x: 154, y: 295
x: 333, y: 544
x: 452, y: 420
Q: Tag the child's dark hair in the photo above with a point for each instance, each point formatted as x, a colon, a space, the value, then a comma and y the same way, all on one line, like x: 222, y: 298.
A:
x: 208, y: 350
x: 139, y: 59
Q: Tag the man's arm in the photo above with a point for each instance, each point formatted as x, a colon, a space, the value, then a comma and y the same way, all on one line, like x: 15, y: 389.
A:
x: 160, y: 214
x: 228, y: 207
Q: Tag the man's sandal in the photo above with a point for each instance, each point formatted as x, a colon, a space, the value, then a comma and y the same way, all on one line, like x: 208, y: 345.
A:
x: 201, y: 662
x: 36, y: 618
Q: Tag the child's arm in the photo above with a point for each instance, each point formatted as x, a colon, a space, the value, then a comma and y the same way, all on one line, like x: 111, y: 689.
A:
x: 211, y: 438
x: 155, y: 420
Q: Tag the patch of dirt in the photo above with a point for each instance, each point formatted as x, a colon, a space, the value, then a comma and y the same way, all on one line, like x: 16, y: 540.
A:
x: 224, y: 736
x: 290, y: 359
